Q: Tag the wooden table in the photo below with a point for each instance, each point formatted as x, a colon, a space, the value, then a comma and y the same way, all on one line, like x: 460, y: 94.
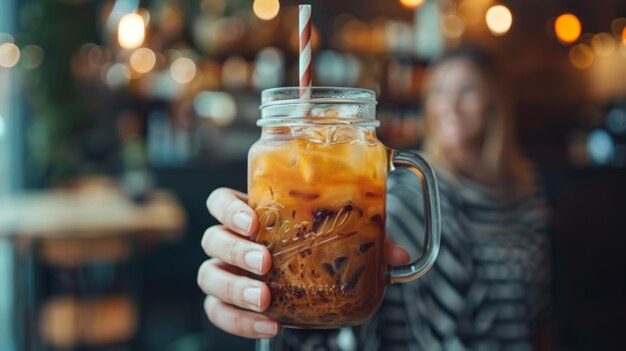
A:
x: 74, y: 228
x: 66, y: 213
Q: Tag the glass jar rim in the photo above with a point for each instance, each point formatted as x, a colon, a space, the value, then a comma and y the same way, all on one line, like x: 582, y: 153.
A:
x: 323, y: 105
x: 319, y: 95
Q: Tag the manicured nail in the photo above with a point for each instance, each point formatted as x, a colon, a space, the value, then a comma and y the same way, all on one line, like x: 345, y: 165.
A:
x: 253, y: 296
x: 242, y: 221
x: 254, y: 260
x: 266, y: 328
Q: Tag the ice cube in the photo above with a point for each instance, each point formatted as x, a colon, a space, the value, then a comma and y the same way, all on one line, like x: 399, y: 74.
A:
x: 330, y: 112
x: 316, y: 135
x: 345, y: 133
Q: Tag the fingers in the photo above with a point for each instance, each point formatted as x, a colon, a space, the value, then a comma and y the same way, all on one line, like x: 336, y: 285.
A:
x: 214, y: 279
x: 395, y: 255
x: 219, y: 242
x: 219, y: 277
x: 239, y: 322
x: 230, y: 208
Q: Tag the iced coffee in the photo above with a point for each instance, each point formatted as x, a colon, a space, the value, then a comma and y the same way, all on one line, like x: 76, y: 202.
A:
x: 319, y: 192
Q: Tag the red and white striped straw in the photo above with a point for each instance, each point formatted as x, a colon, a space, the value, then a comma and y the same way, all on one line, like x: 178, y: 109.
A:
x: 305, y: 51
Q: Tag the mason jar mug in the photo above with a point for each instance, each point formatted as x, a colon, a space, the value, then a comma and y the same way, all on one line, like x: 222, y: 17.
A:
x: 317, y: 181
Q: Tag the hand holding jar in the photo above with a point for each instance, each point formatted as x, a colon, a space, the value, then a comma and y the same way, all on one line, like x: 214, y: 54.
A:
x: 308, y: 247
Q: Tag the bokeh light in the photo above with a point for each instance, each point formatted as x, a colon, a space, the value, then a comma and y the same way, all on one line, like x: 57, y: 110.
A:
x: 399, y: 36
x: 170, y: 18
x: 616, y: 120
x: 334, y: 68
x: 581, y: 56
x: 411, y: 4
x: 618, y: 25
x: 142, y: 60
x: 9, y: 55
x: 499, y: 19
x: 183, y: 70
x: 567, y: 28
x: 145, y: 15
x: 268, y: 68
x: 586, y: 38
x: 603, y: 45
x: 624, y: 36
x: 600, y: 147
x: 131, y: 31
x: 117, y: 75
x: 229, y: 29
x: 452, y: 26
x: 266, y: 9
x: 235, y: 72
x: 6, y: 38
x: 353, y: 34
x: 32, y: 56
x: 95, y: 54
x: 218, y: 106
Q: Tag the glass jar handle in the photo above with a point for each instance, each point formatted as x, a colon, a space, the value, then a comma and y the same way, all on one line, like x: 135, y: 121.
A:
x: 432, y: 216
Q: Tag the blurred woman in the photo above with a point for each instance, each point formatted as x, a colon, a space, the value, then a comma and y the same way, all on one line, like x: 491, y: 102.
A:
x: 486, y: 291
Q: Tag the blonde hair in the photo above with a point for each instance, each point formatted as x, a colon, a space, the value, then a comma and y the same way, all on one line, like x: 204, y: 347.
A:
x: 500, y: 155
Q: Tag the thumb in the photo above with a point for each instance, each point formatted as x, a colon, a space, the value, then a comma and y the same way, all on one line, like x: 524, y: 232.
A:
x: 395, y: 255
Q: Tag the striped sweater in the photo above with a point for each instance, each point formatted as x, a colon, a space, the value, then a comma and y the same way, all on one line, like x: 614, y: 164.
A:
x: 486, y: 290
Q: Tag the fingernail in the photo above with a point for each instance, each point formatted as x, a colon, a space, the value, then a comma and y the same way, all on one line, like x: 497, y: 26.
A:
x: 266, y: 328
x: 254, y: 260
x: 253, y: 296
x: 243, y: 221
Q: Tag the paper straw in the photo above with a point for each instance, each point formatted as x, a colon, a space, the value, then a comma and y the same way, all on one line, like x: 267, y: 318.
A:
x: 305, y: 51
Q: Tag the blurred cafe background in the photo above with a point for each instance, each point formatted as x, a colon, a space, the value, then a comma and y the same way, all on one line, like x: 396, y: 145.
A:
x: 119, y: 117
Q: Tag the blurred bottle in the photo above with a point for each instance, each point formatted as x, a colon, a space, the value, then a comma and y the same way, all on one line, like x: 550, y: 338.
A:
x: 137, y: 180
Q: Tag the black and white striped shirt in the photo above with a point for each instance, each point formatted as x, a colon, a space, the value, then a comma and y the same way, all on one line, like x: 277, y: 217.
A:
x: 486, y: 290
